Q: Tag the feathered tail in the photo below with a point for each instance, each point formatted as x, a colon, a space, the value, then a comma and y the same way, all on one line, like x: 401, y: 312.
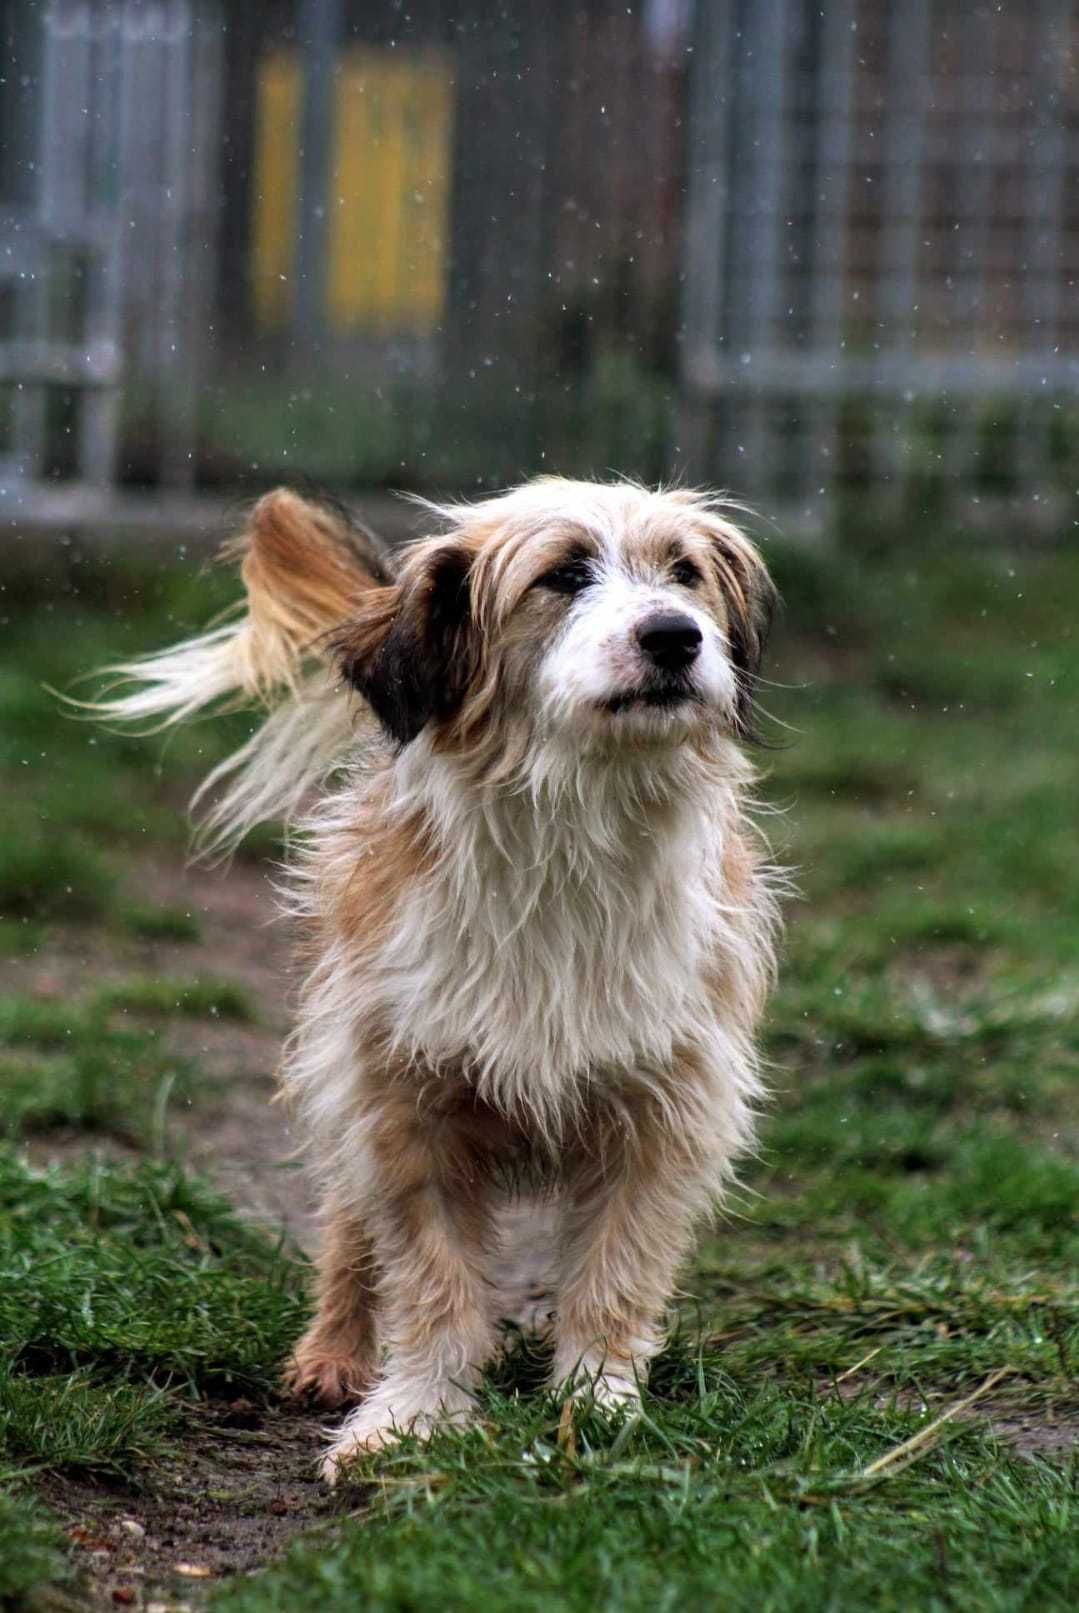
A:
x: 305, y: 568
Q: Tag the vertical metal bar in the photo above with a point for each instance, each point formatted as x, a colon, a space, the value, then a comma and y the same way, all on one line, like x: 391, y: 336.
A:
x: 976, y: 150
x: 901, y: 211
x: 138, y: 88
x: 54, y: 110
x: 145, y: 92
x: 709, y: 172
x: 1046, y: 154
x: 99, y: 421
x: 99, y: 406
x: 178, y: 398
x: 126, y: 261
x: 707, y: 211
x: 29, y: 414
x: 320, y: 28
x: 203, y: 202
x: 29, y: 406
x: 79, y: 90
x: 1043, y: 242
x: 832, y: 112
x: 763, y: 74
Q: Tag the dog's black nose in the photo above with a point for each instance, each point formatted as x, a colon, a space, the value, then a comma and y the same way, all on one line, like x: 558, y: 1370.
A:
x: 670, y: 639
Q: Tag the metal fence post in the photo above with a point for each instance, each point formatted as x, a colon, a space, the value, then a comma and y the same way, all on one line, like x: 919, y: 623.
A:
x: 763, y: 86
x: 707, y: 206
x: 320, y: 31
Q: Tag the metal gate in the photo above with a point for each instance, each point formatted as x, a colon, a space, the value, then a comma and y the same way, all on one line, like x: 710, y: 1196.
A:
x: 883, y: 250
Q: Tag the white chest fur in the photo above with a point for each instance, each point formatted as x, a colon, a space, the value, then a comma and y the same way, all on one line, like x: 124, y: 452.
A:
x: 556, y: 938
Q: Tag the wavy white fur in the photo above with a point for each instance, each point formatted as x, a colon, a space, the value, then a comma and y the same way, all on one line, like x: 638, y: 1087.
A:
x: 571, y: 934
x: 501, y: 953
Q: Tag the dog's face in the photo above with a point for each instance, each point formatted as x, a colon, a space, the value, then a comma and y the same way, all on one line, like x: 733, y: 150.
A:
x: 598, y: 616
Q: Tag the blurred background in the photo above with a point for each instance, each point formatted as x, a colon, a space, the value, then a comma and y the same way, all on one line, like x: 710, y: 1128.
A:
x: 817, y: 254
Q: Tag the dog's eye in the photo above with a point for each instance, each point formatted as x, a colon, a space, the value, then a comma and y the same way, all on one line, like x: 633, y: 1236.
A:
x: 686, y: 573
x: 570, y: 577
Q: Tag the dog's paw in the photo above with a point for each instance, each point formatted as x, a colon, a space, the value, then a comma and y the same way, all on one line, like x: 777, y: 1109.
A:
x: 325, y: 1377
x: 607, y: 1392
x: 392, y: 1410
x: 597, y: 1383
x: 353, y: 1443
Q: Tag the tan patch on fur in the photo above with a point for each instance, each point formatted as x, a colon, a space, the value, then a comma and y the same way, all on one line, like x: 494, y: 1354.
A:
x: 634, y: 1185
x: 368, y: 867
x: 739, y: 996
x: 433, y: 1148
x: 335, y: 1361
x: 304, y: 574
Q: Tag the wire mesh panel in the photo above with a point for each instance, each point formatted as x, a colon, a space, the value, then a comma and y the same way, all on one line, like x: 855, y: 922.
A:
x: 121, y: 231
x: 882, y: 249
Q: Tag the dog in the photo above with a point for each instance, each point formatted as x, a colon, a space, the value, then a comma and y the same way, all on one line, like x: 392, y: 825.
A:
x: 538, y: 923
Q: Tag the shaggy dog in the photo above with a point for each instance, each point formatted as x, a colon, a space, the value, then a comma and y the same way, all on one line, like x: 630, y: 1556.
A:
x: 538, y: 926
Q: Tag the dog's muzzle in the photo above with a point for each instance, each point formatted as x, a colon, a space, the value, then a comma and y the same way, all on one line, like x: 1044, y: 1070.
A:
x: 670, y: 643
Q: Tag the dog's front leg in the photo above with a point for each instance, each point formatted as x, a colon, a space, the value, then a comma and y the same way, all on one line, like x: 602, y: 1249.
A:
x: 631, y: 1197
x: 336, y: 1359
x: 429, y: 1219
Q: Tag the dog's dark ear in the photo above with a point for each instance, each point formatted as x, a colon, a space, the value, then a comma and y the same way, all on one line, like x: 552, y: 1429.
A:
x: 750, y: 597
x: 410, y: 651
x: 749, y: 623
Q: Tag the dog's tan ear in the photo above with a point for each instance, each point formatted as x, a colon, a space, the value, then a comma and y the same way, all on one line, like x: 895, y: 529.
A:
x: 411, y: 649
x: 305, y: 565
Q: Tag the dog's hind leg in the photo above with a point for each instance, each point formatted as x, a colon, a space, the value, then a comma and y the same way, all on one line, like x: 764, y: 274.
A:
x: 336, y: 1360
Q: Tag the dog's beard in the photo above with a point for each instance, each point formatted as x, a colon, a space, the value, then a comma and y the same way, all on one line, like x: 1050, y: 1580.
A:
x: 660, y: 692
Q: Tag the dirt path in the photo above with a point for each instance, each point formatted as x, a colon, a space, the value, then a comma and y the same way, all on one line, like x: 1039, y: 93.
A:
x: 247, y: 1479
x: 243, y: 1484
x: 235, y: 1132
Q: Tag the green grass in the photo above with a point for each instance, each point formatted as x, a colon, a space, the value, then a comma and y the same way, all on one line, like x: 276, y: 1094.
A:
x: 124, y: 1290
x: 45, y: 876
x: 182, y: 1291
x: 193, y: 999
x: 31, y: 1550
x: 78, y: 801
x: 100, y: 1062
x: 125, y: 1295
x: 906, y: 1235
x: 741, y: 1496
x: 160, y: 923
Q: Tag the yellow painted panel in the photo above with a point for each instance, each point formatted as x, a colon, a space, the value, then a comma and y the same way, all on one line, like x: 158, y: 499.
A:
x: 276, y: 188
x: 390, y: 191
x: 388, y: 194
x: 427, y: 192
x: 352, y: 223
